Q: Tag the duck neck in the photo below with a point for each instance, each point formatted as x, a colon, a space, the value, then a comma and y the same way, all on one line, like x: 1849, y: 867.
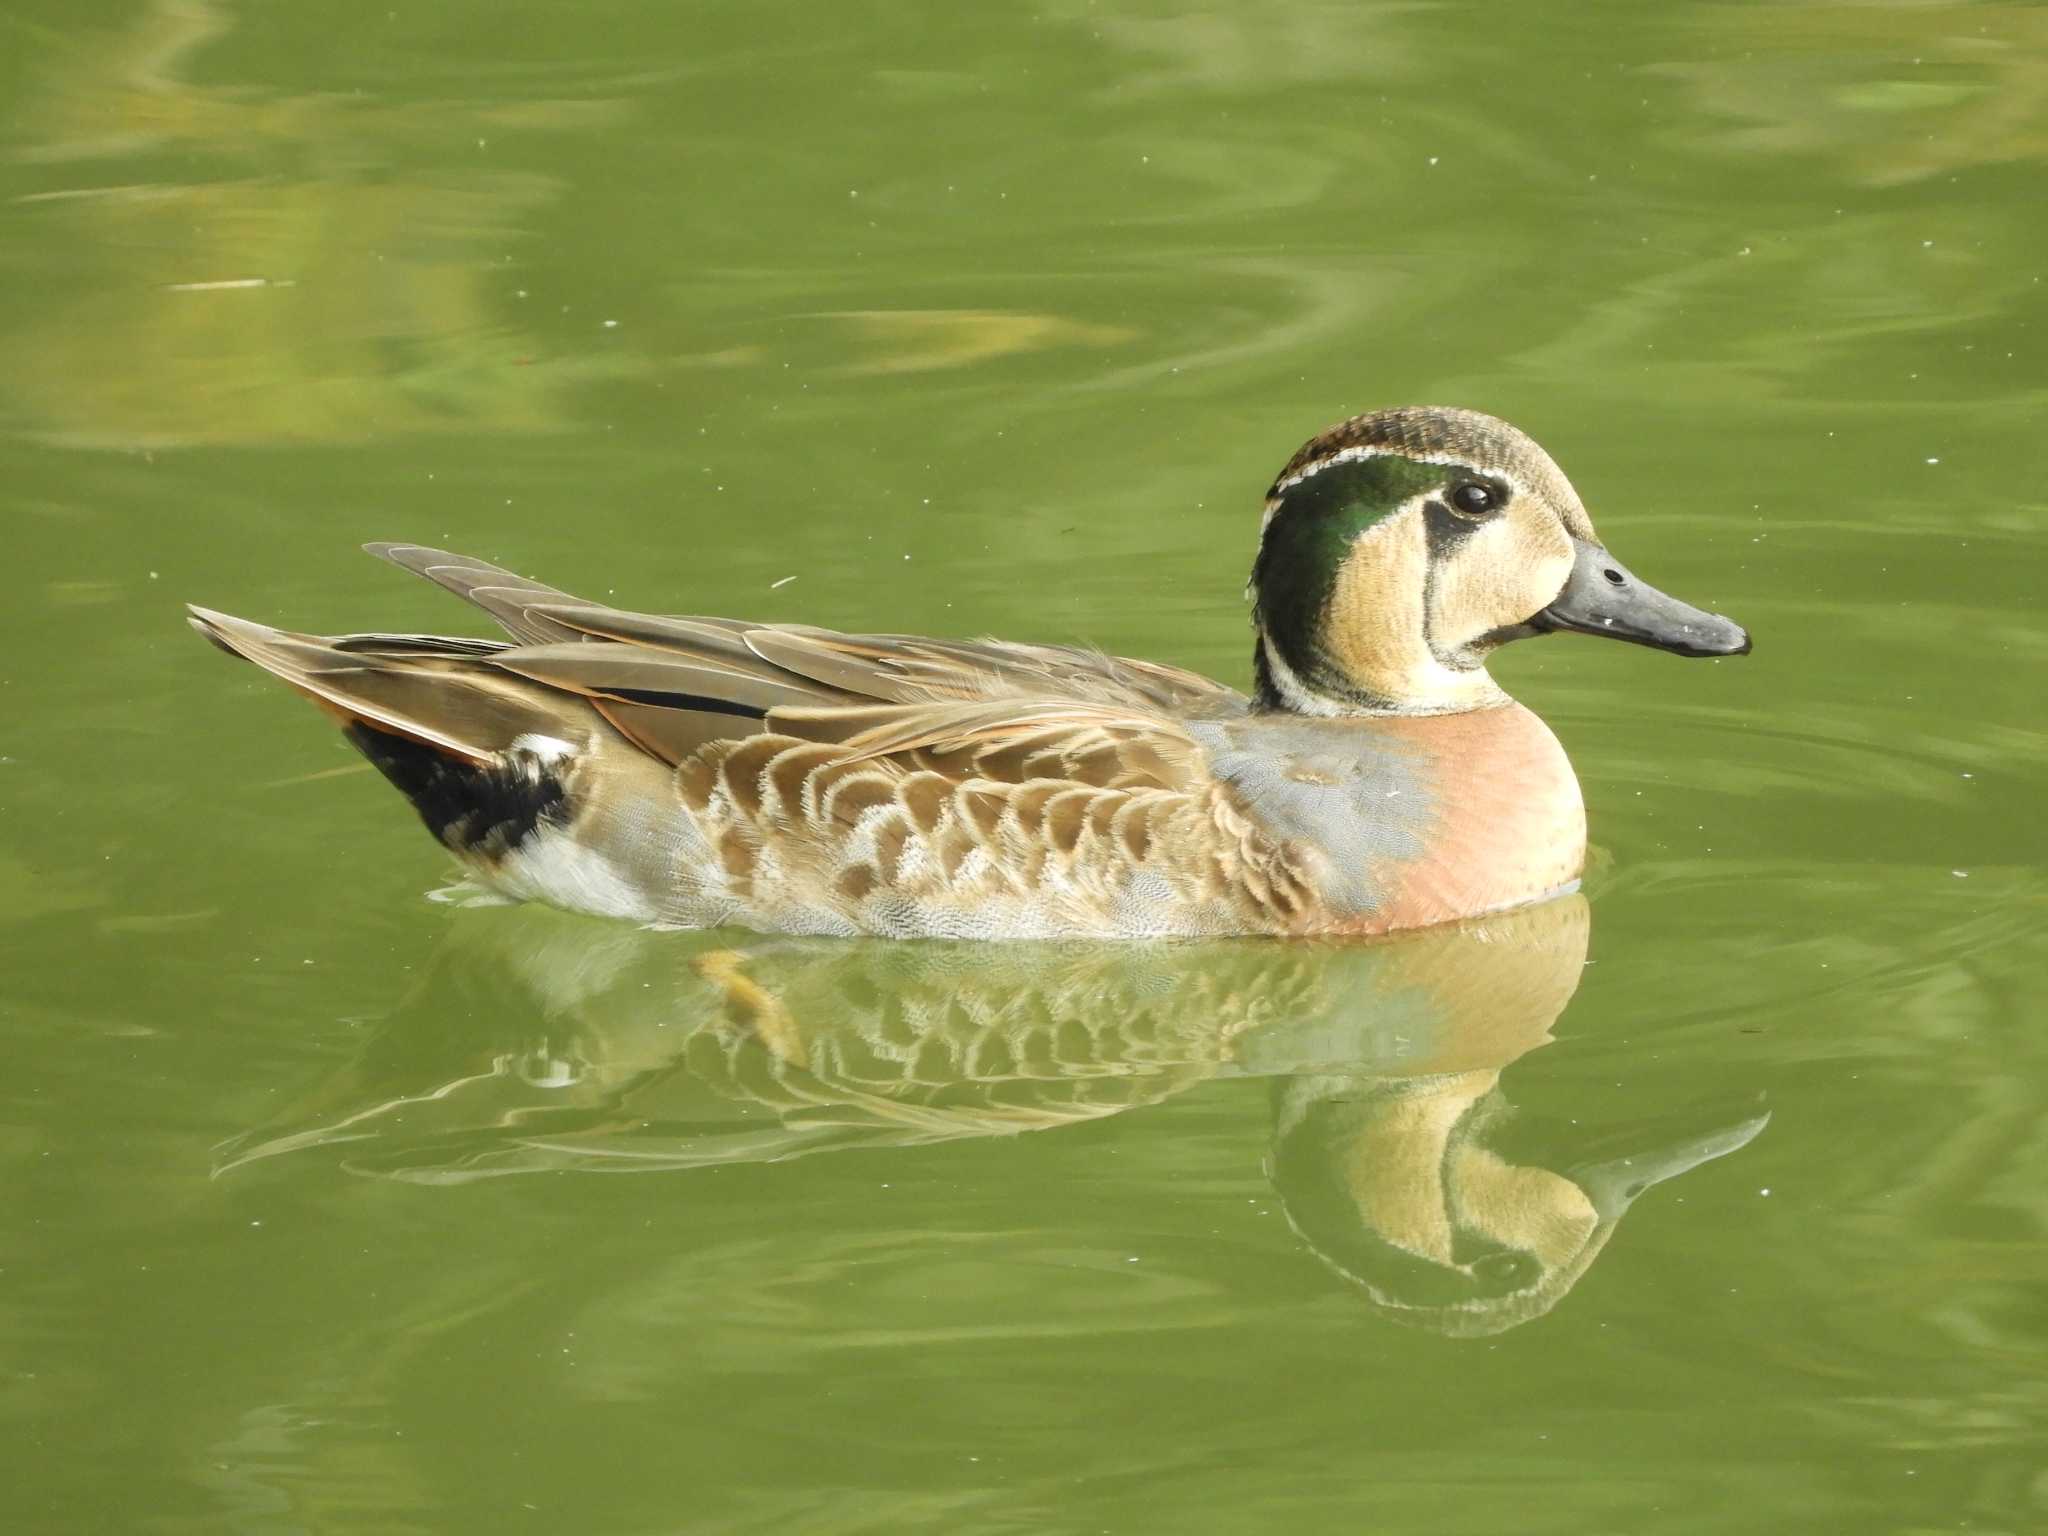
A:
x: 1298, y: 673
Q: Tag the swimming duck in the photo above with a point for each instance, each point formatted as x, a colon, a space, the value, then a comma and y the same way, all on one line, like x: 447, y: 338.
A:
x: 703, y: 771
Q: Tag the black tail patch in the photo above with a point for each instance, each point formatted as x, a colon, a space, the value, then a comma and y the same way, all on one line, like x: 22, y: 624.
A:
x: 487, y: 809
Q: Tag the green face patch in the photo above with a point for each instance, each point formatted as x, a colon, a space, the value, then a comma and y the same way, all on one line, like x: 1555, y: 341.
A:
x: 1311, y: 534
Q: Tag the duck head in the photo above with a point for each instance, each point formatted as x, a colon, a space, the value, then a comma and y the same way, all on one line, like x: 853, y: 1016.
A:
x: 1400, y: 548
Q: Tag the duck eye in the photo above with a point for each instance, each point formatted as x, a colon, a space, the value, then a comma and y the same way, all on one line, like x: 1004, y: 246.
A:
x: 1475, y: 498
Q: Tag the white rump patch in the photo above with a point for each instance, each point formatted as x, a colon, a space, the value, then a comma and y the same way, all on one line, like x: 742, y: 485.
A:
x: 553, y: 867
x: 547, y: 748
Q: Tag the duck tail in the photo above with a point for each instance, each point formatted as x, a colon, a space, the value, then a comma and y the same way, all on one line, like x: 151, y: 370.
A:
x: 422, y: 687
x: 477, y: 750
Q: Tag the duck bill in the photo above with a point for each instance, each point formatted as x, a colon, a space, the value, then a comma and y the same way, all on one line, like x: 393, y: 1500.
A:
x: 1603, y: 597
x: 1614, y: 1183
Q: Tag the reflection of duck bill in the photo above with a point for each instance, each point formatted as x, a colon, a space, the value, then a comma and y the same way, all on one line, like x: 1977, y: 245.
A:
x: 1614, y: 1183
x: 1396, y: 1185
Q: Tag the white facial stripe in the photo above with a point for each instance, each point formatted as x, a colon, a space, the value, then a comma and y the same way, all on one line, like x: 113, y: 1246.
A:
x: 1354, y: 454
x: 1317, y: 466
x: 1451, y: 691
x: 1292, y: 690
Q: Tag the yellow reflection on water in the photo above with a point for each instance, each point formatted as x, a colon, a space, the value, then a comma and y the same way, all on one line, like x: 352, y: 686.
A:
x: 619, y: 1050
x: 328, y: 281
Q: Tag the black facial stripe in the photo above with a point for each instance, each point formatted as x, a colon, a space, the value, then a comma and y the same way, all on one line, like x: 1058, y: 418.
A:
x: 1443, y: 532
x: 1443, y: 529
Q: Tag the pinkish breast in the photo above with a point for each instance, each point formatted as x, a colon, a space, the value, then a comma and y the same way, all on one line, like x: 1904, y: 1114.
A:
x: 1506, y: 824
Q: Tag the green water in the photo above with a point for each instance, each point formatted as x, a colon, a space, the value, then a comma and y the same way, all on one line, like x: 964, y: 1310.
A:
x: 997, y: 320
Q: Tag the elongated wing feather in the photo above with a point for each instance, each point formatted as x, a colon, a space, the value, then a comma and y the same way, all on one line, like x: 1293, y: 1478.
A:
x: 893, y: 668
x: 594, y: 621
x: 906, y: 668
x: 504, y: 595
x: 646, y: 675
x: 675, y: 683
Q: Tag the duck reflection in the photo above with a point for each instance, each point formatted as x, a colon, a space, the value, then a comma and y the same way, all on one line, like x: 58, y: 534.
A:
x: 542, y: 1043
x: 1396, y: 1184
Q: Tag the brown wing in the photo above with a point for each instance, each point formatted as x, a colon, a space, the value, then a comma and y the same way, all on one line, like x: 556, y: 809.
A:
x: 675, y: 684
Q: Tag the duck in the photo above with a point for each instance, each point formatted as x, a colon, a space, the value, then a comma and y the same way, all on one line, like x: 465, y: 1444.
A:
x: 696, y: 772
